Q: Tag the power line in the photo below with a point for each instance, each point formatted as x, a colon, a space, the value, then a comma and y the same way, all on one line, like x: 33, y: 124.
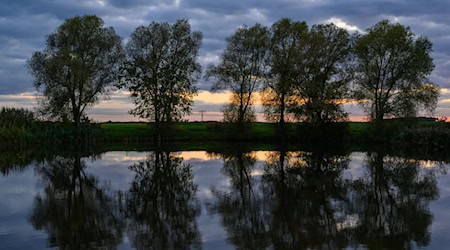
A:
x: 201, y: 114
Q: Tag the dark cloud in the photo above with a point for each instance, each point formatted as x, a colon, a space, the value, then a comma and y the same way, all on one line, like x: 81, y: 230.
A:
x: 24, y: 24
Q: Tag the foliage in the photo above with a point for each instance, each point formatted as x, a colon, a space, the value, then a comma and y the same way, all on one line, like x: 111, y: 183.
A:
x: 162, y: 69
x: 427, y: 139
x: 231, y: 112
x: 16, y: 118
x: 392, y: 66
x: 79, y: 63
x: 242, y: 68
x: 286, y: 40
x: 323, y: 74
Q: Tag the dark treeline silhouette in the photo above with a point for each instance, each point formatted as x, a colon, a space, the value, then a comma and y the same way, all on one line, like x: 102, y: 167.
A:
x: 304, y: 73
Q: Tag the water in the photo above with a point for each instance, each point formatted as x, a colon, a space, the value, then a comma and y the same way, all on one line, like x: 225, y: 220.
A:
x: 223, y: 200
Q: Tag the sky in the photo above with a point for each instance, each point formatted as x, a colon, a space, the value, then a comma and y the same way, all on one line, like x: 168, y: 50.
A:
x: 24, y: 25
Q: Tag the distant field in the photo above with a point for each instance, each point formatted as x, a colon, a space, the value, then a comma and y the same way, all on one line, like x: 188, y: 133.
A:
x: 354, y: 132
x: 407, y: 131
x: 210, y: 130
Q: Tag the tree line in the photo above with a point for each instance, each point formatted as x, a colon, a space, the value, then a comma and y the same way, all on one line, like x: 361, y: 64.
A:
x: 303, y: 73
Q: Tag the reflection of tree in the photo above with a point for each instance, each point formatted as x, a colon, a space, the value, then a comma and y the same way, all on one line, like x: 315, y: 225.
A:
x: 161, y: 204
x: 13, y: 161
x: 392, y: 203
x: 307, y: 196
x: 74, y: 209
x: 18, y: 159
x: 241, y: 208
x: 299, y: 203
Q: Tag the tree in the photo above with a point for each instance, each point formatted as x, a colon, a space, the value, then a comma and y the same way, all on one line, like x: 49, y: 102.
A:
x: 322, y: 75
x: 162, y: 69
x: 79, y: 63
x: 392, y: 66
x: 242, y: 67
x: 287, y: 38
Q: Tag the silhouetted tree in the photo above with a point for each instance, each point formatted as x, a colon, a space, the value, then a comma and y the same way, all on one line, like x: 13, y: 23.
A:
x: 79, y: 63
x: 392, y: 66
x: 241, y: 69
x: 287, y: 41
x: 323, y: 75
x: 161, y: 70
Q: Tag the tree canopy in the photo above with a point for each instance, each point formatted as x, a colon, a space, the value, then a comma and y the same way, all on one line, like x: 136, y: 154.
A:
x: 241, y: 69
x: 79, y: 63
x: 392, y: 69
x: 322, y: 75
x: 304, y: 73
x: 287, y: 39
x: 161, y: 70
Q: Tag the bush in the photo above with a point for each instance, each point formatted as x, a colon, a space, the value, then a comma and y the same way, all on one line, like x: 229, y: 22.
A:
x: 426, y: 138
x: 16, y: 118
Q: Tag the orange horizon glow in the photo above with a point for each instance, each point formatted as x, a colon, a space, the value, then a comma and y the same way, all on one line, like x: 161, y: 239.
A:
x: 117, y: 106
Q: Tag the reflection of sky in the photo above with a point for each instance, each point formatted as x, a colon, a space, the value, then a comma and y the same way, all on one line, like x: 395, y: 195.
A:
x: 18, y: 190
x: 440, y: 229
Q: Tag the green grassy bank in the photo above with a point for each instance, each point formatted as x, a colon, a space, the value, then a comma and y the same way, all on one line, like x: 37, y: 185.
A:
x: 417, y: 133
x: 413, y: 131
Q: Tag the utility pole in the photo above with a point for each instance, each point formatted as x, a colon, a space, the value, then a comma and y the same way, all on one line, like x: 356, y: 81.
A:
x: 201, y: 113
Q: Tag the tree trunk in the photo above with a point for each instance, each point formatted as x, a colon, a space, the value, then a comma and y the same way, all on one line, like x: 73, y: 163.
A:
x: 241, y: 111
x: 282, y: 109
x: 77, y: 122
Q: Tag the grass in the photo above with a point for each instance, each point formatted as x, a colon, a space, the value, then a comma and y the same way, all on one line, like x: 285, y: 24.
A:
x: 354, y: 133
x: 116, y: 131
x: 396, y: 132
x: 209, y: 131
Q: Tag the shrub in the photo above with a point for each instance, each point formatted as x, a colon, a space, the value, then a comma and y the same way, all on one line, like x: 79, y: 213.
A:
x: 16, y: 118
x: 426, y: 138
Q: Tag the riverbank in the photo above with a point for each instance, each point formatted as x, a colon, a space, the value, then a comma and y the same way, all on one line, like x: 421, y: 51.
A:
x: 355, y: 132
x: 415, y: 133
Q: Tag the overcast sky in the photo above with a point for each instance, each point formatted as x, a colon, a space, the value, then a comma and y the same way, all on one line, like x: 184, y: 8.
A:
x: 24, y: 25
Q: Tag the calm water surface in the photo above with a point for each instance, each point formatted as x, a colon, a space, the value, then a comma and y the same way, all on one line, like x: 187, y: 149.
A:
x: 226, y: 200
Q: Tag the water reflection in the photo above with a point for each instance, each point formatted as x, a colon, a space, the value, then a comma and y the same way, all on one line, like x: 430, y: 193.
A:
x: 75, y: 209
x: 392, y: 203
x: 241, y: 207
x: 308, y: 200
x: 272, y: 199
x: 303, y: 201
x: 161, y: 204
